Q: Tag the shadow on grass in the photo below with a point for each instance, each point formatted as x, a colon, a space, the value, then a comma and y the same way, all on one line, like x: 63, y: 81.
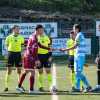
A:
x: 13, y: 94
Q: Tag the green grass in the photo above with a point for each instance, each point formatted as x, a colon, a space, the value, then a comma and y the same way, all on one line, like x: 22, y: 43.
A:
x: 63, y: 83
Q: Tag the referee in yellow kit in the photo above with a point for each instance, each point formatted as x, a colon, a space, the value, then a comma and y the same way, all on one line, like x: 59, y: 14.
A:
x: 70, y: 44
x: 44, y: 57
x: 14, y: 46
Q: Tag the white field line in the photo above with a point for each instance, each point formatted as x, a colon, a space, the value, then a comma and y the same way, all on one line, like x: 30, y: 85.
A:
x: 54, y: 83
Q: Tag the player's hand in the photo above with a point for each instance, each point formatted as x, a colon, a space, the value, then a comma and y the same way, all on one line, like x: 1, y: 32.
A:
x: 52, y: 49
x: 50, y: 59
x: 37, y: 64
x: 97, y: 60
x: 62, y: 49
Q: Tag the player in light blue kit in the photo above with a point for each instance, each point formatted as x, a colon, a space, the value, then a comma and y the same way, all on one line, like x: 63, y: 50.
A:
x: 79, y: 59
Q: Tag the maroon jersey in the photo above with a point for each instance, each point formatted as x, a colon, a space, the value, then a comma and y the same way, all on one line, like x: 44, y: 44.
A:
x: 32, y: 47
x: 30, y: 54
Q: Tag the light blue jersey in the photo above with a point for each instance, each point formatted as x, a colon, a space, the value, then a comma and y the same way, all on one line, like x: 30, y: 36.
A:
x: 79, y: 60
x: 79, y: 56
x: 80, y: 41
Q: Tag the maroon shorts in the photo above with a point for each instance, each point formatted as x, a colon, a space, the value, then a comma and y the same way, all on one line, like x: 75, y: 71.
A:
x: 28, y: 62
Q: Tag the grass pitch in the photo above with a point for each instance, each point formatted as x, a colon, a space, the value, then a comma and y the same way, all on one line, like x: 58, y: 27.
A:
x: 63, y: 84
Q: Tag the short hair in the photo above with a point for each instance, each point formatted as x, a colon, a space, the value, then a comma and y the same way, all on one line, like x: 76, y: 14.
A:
x: 38, y: 26
x: 14, y: 27
x: 77, y: 26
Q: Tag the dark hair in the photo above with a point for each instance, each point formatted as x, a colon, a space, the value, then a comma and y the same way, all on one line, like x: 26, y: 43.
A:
x: 14, y: 27
x: 77, y: 26
x: 38, y: 26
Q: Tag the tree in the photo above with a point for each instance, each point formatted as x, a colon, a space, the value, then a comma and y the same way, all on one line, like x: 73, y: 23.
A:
x: 64, y: 6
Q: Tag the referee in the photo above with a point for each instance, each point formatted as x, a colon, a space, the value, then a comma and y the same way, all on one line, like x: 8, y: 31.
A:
x: 70, y: 43
x: 14, y: 46
x: 45, y: 58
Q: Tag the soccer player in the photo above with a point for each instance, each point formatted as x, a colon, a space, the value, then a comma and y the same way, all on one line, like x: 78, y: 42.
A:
x: 45, y: 58
x: 97, y: 60
x: 30, y: 59
x: 14, y: 45
x: 70, y: 43
x: 79, y: 59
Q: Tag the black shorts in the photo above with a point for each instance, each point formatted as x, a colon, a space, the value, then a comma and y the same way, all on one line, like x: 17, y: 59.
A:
x: 44, y: 60
x: 14, y: 59
x: 71, y: 62
x: 98, y: 66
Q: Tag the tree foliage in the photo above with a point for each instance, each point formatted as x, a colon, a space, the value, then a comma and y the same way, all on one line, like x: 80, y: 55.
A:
x: 70, y: 6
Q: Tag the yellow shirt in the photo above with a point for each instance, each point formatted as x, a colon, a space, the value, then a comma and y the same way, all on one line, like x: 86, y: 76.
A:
x: 70, y: 43
x: 14, y: 43
x: 45, y: 41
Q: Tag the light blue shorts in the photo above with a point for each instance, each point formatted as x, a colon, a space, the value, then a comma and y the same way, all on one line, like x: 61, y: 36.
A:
x: 79, y: 63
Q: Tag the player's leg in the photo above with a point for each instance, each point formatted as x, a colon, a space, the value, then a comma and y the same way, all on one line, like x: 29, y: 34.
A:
x: 40, y: 79
x: 86, y: 83
x: 82, y: 85
x: 98, y: 76
x: 78, y: 79
x: 8, y: 78
x: 10, y: 63
x: 18, y: 64
x: 26, y: 64
x: 80, y: 76
x: 32, y: 81
x: 97, y: 88
x: 73, y: 79
x: 19, y: 72
x: 83, y: 77
x: 52, y: 88
x: 40, y: 73
x: 71, y: 66
x: 21, y: 80
x: 49, y: 76
x: 47, y: 66
x: 23, y: 75
x: 78, y: 69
